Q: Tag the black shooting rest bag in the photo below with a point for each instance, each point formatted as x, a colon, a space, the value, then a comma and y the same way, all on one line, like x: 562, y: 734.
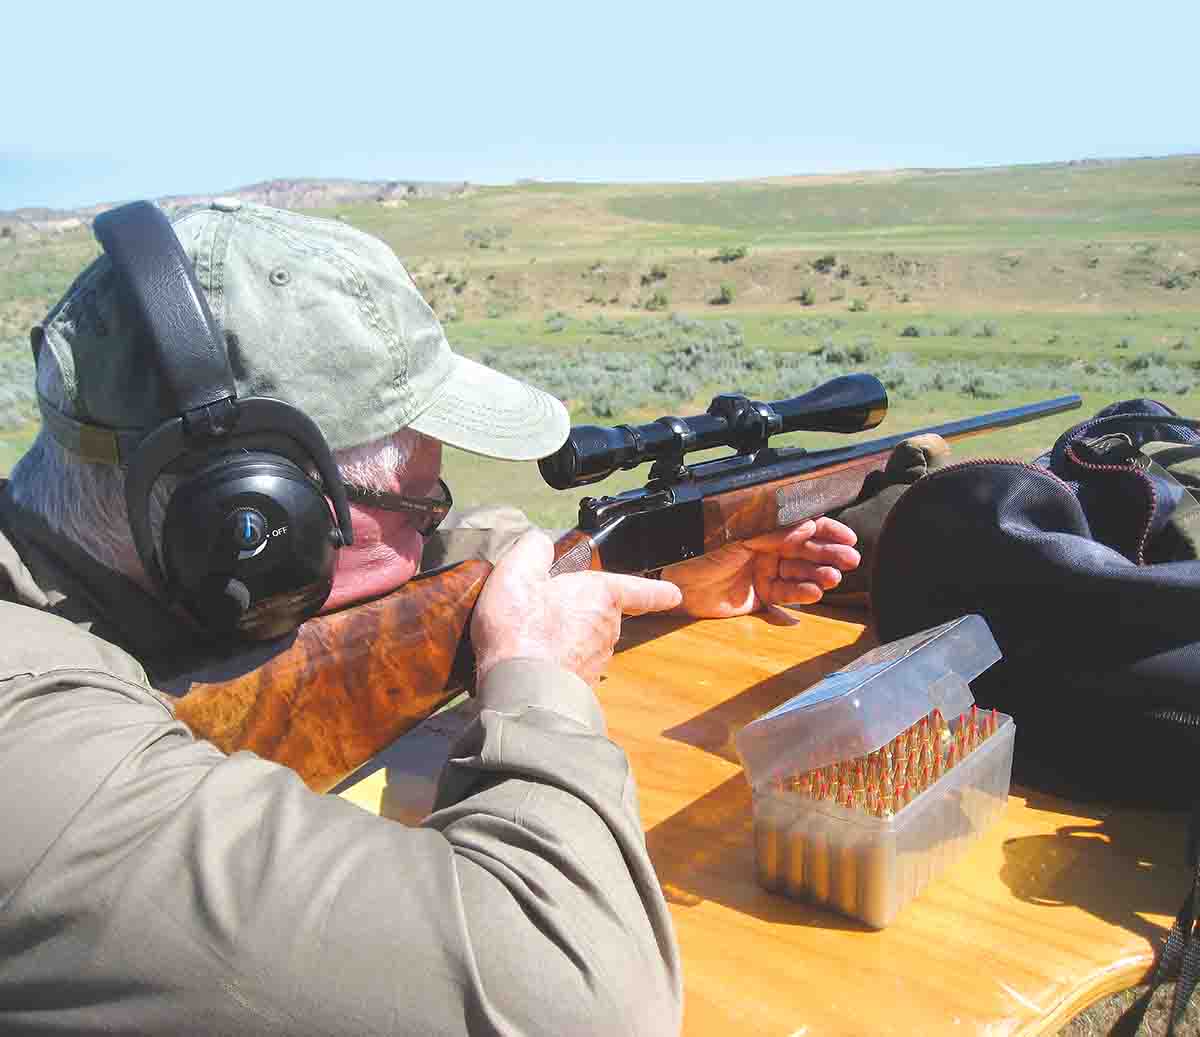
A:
x: 1085, y: 564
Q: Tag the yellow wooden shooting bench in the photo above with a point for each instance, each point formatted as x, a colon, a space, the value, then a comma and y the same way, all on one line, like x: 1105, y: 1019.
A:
x: 1057, y: 905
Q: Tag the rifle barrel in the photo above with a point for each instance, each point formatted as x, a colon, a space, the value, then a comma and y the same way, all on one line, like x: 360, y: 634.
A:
x: 988, y: 422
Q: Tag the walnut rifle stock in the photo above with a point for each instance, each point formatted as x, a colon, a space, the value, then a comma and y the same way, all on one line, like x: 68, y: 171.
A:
x: 341, y: 688
x: 345, y: 685
x: 327, y: 698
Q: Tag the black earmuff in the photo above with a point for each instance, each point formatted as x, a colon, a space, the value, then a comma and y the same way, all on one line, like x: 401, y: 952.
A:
x: 248, y: 542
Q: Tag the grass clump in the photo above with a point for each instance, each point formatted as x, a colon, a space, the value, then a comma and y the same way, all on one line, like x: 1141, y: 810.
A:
x: 725, y: 295
x: 1180, y: 280
x: 1147, y: 361
x: 730, y: 254
x: 811, y: 327
x: 486, y: 237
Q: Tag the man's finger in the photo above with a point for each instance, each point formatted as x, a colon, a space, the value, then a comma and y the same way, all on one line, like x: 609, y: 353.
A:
x: 824, y: 576
x: 821, y: 553
x: 785, y: 592
x: 792, y: 581
x: 821, y: 530
x: 636, y: 595
x: 774, y: 541
x: 835, y: 532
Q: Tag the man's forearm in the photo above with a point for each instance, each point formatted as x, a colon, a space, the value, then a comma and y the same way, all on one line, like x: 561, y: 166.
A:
x: 174, y: 889
x: 537, y: 800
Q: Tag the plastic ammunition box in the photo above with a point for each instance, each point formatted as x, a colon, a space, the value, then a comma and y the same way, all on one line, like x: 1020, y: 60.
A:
x: 866, y: 851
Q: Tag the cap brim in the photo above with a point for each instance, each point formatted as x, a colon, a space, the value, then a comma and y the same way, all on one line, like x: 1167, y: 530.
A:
x: 492, y: 414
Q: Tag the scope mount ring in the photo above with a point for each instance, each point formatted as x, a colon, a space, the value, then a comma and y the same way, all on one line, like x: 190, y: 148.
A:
x: 669, y: 468
x: 751, y: 423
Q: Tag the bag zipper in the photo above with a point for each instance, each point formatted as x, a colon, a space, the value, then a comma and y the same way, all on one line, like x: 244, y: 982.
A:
x: 1176, y: 716
x: 1147, y: 483
x: 1080, y: 434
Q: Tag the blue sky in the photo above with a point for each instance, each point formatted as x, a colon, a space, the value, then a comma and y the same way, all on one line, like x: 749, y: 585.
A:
x: 126, y: 100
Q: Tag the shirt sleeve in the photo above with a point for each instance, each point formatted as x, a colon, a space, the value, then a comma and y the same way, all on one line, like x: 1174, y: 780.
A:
x: 149, y: 884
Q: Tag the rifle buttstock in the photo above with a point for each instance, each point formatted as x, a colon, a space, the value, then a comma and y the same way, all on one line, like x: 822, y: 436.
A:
x: 347, y: 685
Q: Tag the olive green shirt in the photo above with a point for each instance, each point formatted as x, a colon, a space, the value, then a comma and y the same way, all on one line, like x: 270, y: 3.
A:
x: 149, y: 884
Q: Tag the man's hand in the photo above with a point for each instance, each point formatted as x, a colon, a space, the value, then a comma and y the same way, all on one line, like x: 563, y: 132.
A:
x: 573, y: 620
x: 792, y: 566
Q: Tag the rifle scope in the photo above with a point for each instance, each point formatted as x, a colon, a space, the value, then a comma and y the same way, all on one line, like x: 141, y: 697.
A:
x: 851, y: 403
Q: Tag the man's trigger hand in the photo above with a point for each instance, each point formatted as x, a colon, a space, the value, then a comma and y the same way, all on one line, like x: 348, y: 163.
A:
x: 793, y: 566
x: 572, y: 620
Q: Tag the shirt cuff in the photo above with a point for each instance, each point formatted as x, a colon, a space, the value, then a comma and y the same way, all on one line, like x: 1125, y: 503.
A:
x: 515, y: 685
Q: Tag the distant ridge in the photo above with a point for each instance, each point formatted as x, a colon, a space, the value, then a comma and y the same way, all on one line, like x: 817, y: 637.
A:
x: 312, y: 193
x: 303, y: 193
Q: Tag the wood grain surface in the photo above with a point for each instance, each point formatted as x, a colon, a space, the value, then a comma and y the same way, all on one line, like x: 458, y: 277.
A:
x: 742, y: 514
x: 344, y: 686
x: 1054, y: 907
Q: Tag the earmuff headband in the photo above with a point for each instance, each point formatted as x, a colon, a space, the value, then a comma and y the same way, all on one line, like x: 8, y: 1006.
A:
x: 158, y: 279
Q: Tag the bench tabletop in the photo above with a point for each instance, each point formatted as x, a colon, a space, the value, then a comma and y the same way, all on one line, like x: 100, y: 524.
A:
x: 1057, y: 905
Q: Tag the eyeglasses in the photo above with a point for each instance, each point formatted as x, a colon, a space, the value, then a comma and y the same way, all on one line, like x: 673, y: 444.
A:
x: 432, y: 508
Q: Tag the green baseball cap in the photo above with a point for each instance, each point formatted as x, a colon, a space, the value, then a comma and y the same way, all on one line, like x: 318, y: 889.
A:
x: 314, y: 313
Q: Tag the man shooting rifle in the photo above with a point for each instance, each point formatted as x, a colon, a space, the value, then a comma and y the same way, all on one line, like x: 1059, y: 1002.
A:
x: 242, y: 426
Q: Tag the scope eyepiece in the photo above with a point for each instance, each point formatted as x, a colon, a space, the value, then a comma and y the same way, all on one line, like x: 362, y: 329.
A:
x: 851, y: 403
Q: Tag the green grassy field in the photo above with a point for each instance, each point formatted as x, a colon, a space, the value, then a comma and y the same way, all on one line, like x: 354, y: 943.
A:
x: 965, y: 290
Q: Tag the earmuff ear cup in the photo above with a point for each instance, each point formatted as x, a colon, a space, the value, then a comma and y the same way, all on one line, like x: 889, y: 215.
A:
x: 248, y: 545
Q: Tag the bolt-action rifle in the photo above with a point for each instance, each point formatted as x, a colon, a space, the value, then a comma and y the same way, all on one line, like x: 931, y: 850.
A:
x: 326, y: 698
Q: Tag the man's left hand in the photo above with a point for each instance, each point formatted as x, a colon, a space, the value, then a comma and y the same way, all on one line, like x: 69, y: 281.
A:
x: 793, y: 566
